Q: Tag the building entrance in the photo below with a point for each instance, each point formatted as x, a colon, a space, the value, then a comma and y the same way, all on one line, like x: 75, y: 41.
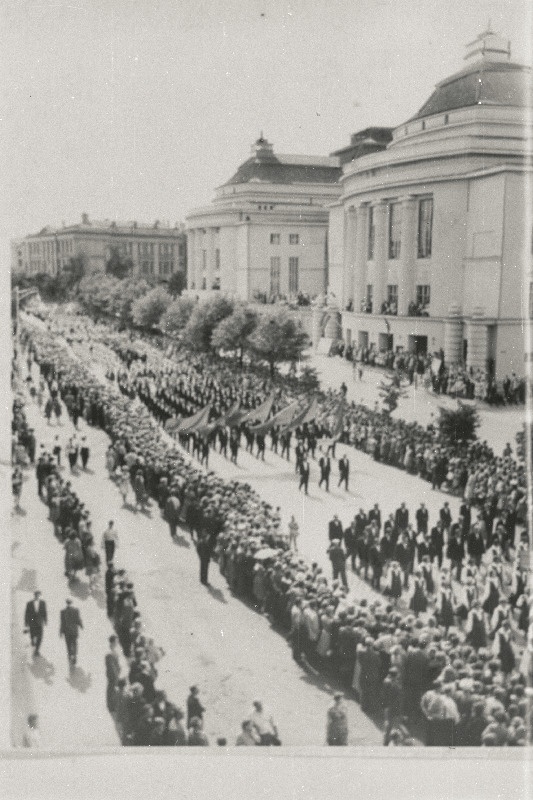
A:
x: 418, y: 345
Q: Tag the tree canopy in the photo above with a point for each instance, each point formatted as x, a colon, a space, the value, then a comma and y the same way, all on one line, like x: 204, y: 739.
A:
x: 148, y: 310
x: 118, y: 266
x: 204, y: 319
x: 278, y: 337
x: 177, y: 315
x: 232, y: 332
x: 456, y: 425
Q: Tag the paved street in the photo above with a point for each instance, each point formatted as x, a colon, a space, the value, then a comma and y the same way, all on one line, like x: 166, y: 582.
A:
x: 209, y: 637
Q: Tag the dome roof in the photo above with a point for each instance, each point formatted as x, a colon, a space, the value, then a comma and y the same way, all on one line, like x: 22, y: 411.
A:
x: 491, y: 80
x: 483, y: 83
x: 266, y: 167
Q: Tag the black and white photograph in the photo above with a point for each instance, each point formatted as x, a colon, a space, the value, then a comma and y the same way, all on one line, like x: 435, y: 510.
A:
x: 270, y: 268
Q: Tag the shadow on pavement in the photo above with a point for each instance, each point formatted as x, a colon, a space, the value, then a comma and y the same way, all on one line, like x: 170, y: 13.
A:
x: 79, y: 589
x: 20, y: 512
x: 181, y: 541
x: 42, y: 669
x: 79, y: 679
x: 217, y: 594
x: 28, y: 580
x: 99, y: 598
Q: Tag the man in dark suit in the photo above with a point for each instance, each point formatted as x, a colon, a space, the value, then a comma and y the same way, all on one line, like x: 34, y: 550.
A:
x: 422, y: 517
x: 204, y: 548
x: 335, y: 530
x: 112, y: 671
x: 325, y: 471
x: 69, y: 628
x: 35, y: 618
x: 304, y: 476
x: 344, y: 471
x: 402, y: 518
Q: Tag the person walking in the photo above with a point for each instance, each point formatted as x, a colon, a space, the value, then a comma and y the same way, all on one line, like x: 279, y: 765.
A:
x: 337, y: 556
x: 325, y: 471
x: 305, y: 471
x: 70, y: 624
x: 264, y: 725
x: 194, y: 706
x: 110, y: 541
x: 35, y: 618
x: 344, y: 472
x: 172, y: 512
x: 16, y: 486
x: 204, y: 549
x: 337, y: 722
x: 112, y: 671
x: 293, y: 534
x: 84, y: 452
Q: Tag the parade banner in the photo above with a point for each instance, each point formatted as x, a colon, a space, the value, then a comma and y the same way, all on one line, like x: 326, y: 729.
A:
x: 257, y: 415
x: 172, y: 425
x: 198, y: 420
x: 307, y: 415
x: 283, y: 417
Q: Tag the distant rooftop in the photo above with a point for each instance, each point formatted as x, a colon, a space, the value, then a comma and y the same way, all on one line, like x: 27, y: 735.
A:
x: 111, y: 226
x: 368, y: 140
x: 265, y: 166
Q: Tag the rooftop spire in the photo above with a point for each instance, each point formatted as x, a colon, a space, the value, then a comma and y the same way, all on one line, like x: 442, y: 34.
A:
x: 489, y: 46
x: 262, y: 148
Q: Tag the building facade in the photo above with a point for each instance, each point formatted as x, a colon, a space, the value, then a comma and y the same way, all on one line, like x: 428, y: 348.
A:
x: 266, y: 231
x: 154, y: 249
x: 430, y: 243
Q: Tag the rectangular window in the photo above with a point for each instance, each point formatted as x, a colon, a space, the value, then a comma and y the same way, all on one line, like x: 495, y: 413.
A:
x: 531, y: 301
x: 294, y: 238
x: 204, y: 259
x: 423, y: 295
x: 392, y: 298
x: 217, y: 259
x: 274, y: 238
x: 275, y: 266
x: 371, y: 233
x: 425, y: 225
x: 395, y: 229
x: 369, y: 297
x: 293, y: 275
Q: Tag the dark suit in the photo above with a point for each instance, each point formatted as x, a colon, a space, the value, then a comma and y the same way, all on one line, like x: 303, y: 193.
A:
x: 35, y: 619
x: 112, y: 671
x: 172, y: 514
x: 325, y: 471
x: 344, y: 471
x: 335, y: 530
x: 69, y: 628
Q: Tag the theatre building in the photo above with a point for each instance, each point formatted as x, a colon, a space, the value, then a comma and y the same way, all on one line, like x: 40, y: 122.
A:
x: 265, y: 233
x: 430, y: 243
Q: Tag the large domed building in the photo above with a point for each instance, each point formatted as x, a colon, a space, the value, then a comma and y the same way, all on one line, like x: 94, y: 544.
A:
x: 430, y: 243
x: 265, y: 232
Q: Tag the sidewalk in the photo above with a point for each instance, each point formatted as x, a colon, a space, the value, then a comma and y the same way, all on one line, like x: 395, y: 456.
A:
x: 71, y: 707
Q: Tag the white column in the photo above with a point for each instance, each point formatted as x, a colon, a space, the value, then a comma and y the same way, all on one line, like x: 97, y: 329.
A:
x: 349, y: 256
x: 191, y: 266
x: 198, y: 243
x: 381, y: 242
x: 478, y: 339
x: 210, y: 271
x: 453, y: 336
x: 408, y: 253
x: 359, y: 290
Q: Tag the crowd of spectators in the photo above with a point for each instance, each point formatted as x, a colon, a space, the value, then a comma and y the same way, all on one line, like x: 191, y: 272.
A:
x: 428, y: 669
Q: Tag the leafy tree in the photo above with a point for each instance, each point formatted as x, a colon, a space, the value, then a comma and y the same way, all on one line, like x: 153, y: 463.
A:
x: 148, y: 310
x: 177, y: 315
x: 391, y: 389
x: 118, y: 266
x: 458, y: 424
x: 278, y: 337
x: 203, y: 321
x: 124, y: 294
x: 176, y: 284
x: 232, y: 332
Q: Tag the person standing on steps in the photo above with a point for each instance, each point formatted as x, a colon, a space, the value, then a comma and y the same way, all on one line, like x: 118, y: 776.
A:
x: 35, y: 618
x: 70, y: 624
